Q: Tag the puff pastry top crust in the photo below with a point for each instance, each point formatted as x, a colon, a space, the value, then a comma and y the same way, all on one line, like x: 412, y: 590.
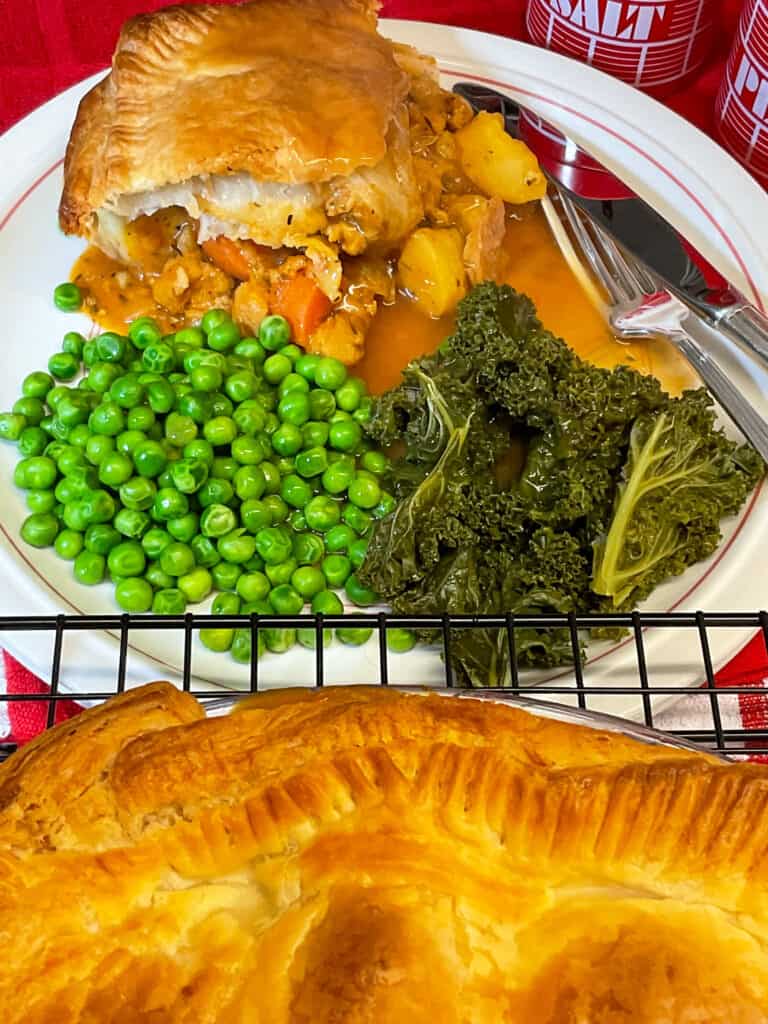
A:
x: 361, y: 857
x: 287, y: 90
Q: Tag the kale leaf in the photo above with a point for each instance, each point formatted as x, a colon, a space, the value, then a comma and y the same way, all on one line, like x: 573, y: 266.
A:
x: 618, y: 486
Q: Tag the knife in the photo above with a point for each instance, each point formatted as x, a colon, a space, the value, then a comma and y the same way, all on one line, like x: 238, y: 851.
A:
x: 649, y: 237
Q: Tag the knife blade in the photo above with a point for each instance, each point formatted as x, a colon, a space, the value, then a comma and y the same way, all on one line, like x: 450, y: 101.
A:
x: 635, y: 225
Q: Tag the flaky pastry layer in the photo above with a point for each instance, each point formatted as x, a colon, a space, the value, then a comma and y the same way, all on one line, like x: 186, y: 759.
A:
x: 287, y: 91
x: 363, y: 856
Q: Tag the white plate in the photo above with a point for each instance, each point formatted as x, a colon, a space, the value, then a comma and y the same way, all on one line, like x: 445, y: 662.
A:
x: 684, y: 175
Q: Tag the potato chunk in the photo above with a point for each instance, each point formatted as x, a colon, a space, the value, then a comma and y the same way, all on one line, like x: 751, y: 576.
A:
x: 431, y: 269
x: 498, y: 164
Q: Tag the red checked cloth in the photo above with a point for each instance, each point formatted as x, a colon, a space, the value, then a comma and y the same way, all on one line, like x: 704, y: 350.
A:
x: 48, y: 45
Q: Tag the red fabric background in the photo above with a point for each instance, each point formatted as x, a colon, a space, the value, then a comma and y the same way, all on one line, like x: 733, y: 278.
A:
x: 47, y: 45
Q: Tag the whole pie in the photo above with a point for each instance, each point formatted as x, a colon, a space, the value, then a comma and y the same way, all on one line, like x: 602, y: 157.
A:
x: 357, y: 856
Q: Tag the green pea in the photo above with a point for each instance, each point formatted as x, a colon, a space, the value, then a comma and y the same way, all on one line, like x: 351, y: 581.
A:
x: 330, y: 374
x: 107, y: 418
x: 345, y: 435
x: 282, y: 572
x: 253, y: 586
x: 224, y: 467
x: 241, y: 386
x: 177, y: 559
x: 250, y: 419
x: 225, y: 575
x: 73, y: 410
x: 40, y: 529
x: 11, y: 425
x: 74, y: 516
x: 138, y: 493
x: 248, y: 451
x: 155, y: 541
x: 272, y: 545
x: 357, y: 552
x: 285, y: 466
x: 100, y: 538
x: 314, y: 434
x: 74, y: 343
x: 287, y: 439
x: 220, y: 431
x: 276, y: 367
x: 221, y: 405
x: 37, y: 385
x: 355, y: 517
x: 215, y: 491
x: 306, y: 365
x: 349, y: 394
x: 131, y: 523
x: 236, y: 546
x: 308, y: 637
x: 223, y: 336
x: 68, y: 544
x: 32, y: 409
x: 266, y: 397
x: 272, y: 478
x: 311, y: 462
x: 297, y: 521
x: 226, y: 604
x: 249, y: 482
x: 218, y: 640
x: 353, y: 636
x: 40, y: 501
x: 252, y: 349
x: 40, y: 472
x: 111, y: 347
x: 339, y: 538
x: 364, y: 492
x: 169, y: 601
x: 255, y: 515
x: 199, y: 449
x: 358, y: 594
x: 286, y: 600
x: 149, y: 458
x: 274, y: 332
x: 189, y: 475
x: 385, y: 506
x: 126, y: 559
x: 134, y: 595
x: 292, y: 384
x: 90, y: 353
x: 400, y: 641
x: 89, y: 568
x: 308, y: 581
x: 278, y: 641
x: 295, y: 491
x: 115, y: 469
x: 184, y: 528
x: 204, y: 551
x: 277, y: 507
x: 195, y: 585
x: 98, y: 448
x: 326, y: 602
x: 180, y: 430
x: 217, y: 521
x: 101, y: 377
x: 271, y: 423
x: 308, y: 548
x: 322, y: 405
x: 129, y: 441
x: 337, y: 477
x: 169, y: 504
x: 79, y: 436
x: 336, y: 569
x: 322, y: 513
x: 254, y: 564
x: 67, y: 297
x: 158, y: 356
x: 160, y: 580
x: 194, y: 337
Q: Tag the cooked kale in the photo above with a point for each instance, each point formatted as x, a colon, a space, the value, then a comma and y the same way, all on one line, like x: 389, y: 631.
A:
x: 621, y: 486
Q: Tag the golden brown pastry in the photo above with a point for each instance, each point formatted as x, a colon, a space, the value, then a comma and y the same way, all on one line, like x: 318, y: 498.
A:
x: 364, y: 857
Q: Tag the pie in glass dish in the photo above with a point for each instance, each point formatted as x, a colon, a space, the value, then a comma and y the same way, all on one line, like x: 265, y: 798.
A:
x: 358, y: 855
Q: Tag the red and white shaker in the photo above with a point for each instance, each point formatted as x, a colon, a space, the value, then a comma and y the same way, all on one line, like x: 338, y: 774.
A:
x: 653, y: 45
x: 741, y: 109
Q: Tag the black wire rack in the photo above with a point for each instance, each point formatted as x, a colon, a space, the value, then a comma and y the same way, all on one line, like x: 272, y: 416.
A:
x: 571, y: 686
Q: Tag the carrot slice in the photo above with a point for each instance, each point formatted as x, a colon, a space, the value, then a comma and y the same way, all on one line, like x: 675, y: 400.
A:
x: 303, y: 304
x: 228, y: 256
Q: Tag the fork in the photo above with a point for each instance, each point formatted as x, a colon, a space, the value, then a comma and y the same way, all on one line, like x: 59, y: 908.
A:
x: 640, y: 306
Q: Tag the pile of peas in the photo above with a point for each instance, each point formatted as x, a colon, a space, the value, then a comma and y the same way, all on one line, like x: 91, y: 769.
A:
x: 202, y: 461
